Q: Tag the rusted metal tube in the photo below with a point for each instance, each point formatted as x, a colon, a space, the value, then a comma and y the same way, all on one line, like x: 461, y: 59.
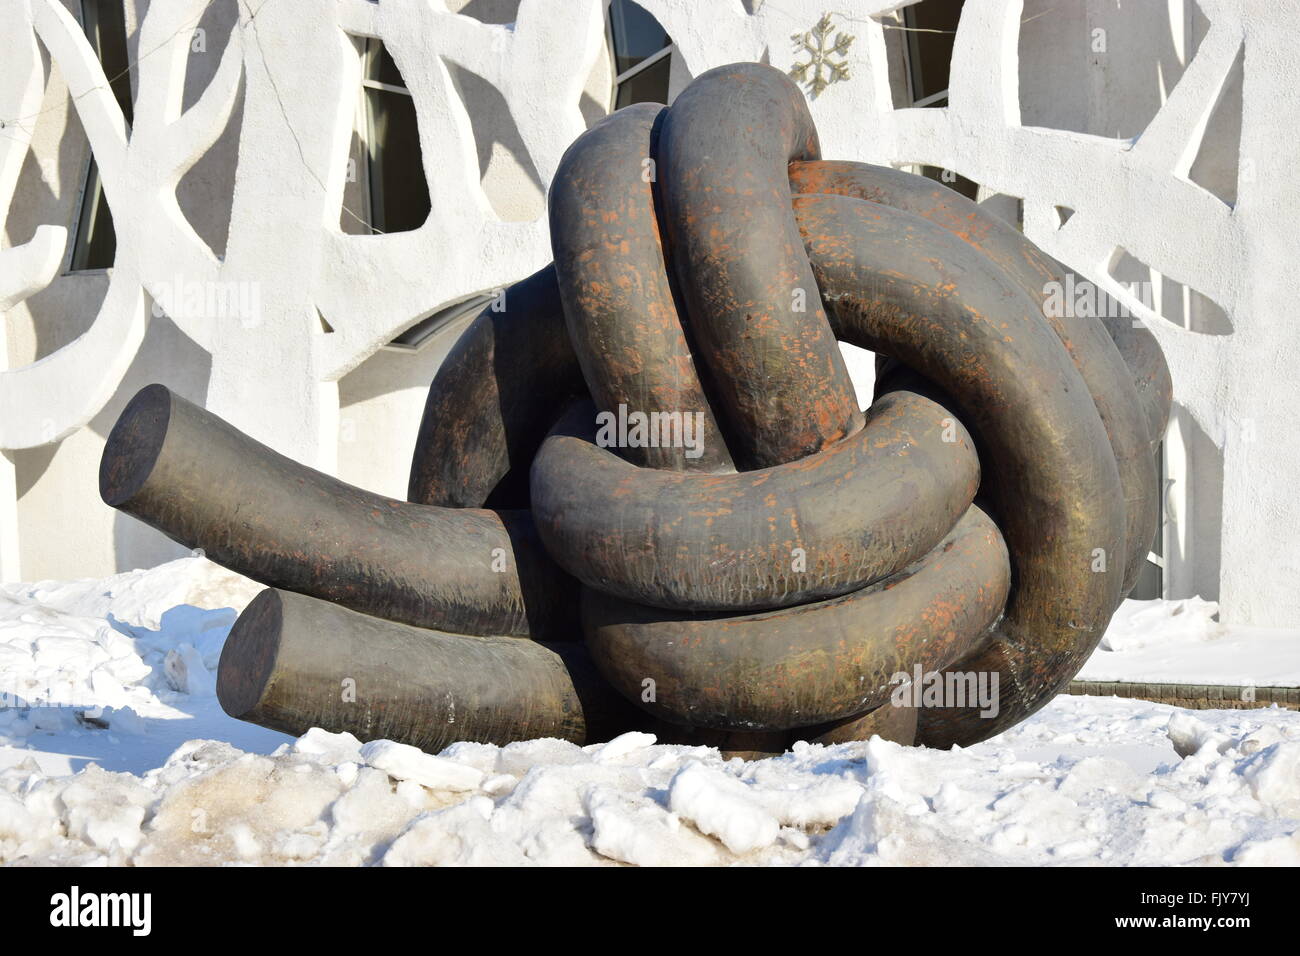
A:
x: 888, y: 721
x: 493, y: 399
x: 750, y: 295
x: 618, y: 299
x: 818, y: 527
x: 898, y: 284
x: 292, y: 662
x: 809, y: 664
x: 1150, y: 372
x: 1086, y: 339
x: 205, y: 484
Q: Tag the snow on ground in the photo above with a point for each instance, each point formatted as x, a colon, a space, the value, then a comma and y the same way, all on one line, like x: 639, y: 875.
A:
x: 1179, y: 642
x: 136, y: 652
x: 114, y: 750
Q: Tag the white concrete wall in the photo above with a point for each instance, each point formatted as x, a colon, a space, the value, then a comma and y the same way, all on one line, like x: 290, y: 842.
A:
x: 1161, y: 142
x: 356, y: 415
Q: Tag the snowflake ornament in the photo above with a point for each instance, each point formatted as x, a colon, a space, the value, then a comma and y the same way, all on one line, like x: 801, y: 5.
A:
x: 827, y: 56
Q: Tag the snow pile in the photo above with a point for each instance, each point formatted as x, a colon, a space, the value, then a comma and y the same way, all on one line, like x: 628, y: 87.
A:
x: 1140, y: 624
x: 121, y: 670
x: 85, y: 649
x: 1180, y: 642
x: 130, y: 662
x: 1047, y: 793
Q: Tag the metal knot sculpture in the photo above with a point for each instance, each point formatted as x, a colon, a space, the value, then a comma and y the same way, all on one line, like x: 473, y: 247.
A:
x: 644, y: 497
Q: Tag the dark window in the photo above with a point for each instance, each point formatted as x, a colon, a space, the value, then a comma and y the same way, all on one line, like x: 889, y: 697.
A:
x: 637, y: 35
x: 397, y: 190
x: 95, y: 242
x: 931, y: 27
x: 967, y: 187
x: 648, y: 86
x: 642, y: 55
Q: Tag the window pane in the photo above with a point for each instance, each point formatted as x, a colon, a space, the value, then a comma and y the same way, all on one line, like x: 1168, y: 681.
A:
x: 399, y: 195
x: 954, y: 181
x: 648, y: 86
x: 105, y: 27
x: 931, y: 26
x: 380, y: 65
x: 96, y: 241
x: 637, y: 35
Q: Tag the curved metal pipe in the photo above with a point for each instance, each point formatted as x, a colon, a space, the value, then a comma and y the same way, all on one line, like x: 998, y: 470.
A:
x: 898, y: 284
x: 888, y: 721
x: 1150, y: 372
x: 292, y: 662
x: 1093, y: 350
x: 809, y: 664
x: 205, y: 484
x: 618, y: 299
x: 818, y: 527
x: 493, y: 399
x: 749, y: 292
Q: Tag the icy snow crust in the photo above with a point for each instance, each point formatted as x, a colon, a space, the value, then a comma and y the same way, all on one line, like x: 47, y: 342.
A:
x: 108, y: 695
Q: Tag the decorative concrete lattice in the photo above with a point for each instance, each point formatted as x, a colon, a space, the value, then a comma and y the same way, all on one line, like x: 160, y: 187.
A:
x: 277, y: 377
